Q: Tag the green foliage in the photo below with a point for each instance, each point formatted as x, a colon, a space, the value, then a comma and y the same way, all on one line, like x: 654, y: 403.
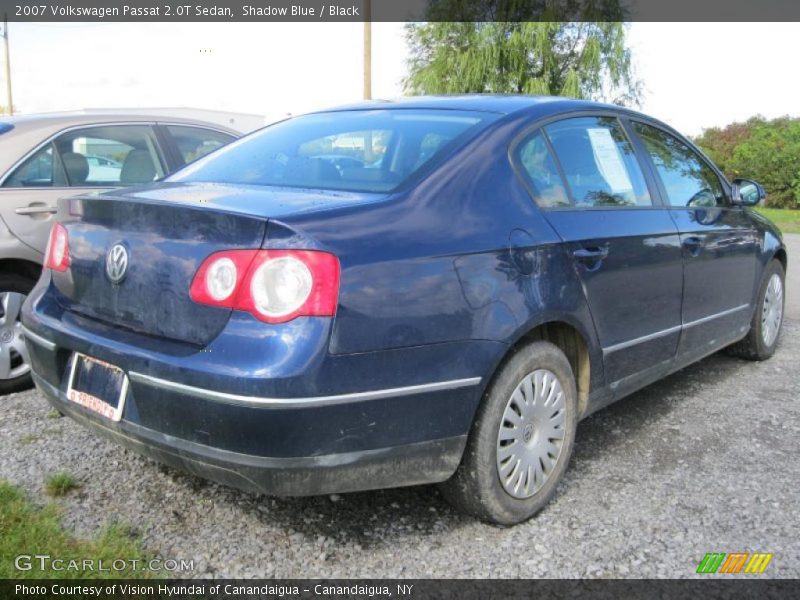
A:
x: 788, y: 221
x: 29, y: 530
x: 767, y: 151
x: 576, y: 59
x: 60, y: 484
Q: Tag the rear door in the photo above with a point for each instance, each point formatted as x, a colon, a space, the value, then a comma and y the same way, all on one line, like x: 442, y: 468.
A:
x: 719, y: 243
x: 75, y: 161
x: 624, y: 246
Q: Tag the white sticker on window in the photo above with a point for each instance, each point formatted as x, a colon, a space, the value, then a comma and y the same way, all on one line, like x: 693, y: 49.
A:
x: 609, y: 161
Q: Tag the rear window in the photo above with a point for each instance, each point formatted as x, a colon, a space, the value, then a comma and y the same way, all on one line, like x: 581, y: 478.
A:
x: 362, y: 151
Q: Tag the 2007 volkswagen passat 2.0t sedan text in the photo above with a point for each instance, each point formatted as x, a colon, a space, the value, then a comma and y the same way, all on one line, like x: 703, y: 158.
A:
x: 432, y: 290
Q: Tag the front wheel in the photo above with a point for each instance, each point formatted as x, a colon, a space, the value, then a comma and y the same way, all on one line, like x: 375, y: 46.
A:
x: 15, y: 370
x: 521, y: 440
x: 765, y: 327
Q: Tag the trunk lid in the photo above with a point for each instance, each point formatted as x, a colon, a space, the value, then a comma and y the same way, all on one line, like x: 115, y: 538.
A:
x: 165, y: 244
x: 167, y: 231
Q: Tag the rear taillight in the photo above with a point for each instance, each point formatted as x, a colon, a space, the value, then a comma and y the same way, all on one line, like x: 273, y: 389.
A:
x: 57, y: 253
x: 274, y: 285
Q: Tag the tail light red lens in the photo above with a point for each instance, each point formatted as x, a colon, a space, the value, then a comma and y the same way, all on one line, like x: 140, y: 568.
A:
x: 275, y: 286
x: 57, y: 253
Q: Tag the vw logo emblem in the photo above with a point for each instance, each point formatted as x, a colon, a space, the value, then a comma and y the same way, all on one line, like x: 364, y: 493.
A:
x: 117, y: 263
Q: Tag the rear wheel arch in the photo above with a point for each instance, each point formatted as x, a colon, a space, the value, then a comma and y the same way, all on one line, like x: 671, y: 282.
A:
x: 572, y: 342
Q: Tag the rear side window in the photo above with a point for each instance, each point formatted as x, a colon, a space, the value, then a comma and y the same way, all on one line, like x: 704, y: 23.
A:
x: 360, y: 150
x: 598, y: 162
x: 196, y: 142
x: 110, y: 155
x: 687, y: 179
x: 542, y: 173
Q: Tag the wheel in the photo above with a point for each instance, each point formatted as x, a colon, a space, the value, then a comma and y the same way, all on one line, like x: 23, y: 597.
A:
x: 521, y: 440
x: 15, y: 372
x: 765, y: 328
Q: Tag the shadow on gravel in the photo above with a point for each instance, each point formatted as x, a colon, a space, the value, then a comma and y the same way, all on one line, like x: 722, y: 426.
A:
x: 658, y: 403
x: 368, y: 518
x: 387, y: 516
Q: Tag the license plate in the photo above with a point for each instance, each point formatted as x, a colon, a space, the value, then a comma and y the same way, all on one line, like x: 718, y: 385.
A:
x: 98, y: 386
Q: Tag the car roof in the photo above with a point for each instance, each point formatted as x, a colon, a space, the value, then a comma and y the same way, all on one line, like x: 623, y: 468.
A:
x: 495, y: 103
x: 59, y: 120
x: 531, y: 107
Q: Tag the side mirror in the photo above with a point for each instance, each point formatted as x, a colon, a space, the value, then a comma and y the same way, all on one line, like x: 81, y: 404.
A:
x: 746, y: 192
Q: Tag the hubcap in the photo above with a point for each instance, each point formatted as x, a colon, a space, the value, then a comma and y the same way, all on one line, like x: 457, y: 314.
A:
x: 531, y: 434
x: 13, y: 354
x: 772, y: 312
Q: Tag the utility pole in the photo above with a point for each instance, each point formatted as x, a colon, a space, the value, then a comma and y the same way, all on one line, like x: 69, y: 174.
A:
x: 8, y: 66
x: 368, y: 148
x: 367, y: 49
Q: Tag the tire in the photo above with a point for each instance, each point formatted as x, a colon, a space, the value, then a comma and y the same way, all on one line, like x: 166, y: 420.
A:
x: 765, y: 327
x: 476, y: 487
x: 15, y: 374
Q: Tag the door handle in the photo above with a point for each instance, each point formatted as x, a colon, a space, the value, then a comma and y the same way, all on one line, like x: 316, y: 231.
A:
x: 36, y: 210
x: 693, y: 245
x: 591, y: 254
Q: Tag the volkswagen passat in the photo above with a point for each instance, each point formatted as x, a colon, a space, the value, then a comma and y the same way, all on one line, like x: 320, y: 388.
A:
x: 432, y: 290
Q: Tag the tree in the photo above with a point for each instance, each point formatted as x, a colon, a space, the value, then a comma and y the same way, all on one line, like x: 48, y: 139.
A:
x: 766, y: 151
x: 577, y: 59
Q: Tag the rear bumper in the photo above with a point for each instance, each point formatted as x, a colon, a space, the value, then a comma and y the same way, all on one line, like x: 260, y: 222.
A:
x: 244, y: 415
x: 410, y: 464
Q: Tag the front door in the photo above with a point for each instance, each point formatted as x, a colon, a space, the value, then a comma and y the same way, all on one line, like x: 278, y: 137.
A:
x: 719, y: 244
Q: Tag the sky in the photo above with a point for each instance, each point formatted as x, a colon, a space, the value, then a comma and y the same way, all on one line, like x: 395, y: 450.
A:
x: 696, y: 75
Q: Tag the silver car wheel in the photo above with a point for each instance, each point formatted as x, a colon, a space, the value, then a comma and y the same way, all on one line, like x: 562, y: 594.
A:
x: 531, y: 434
x: 772, y: 311
x: 13, y: 353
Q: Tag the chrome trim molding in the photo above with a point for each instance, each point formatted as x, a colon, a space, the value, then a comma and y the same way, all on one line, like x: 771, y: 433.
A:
x: 640, y: 340
x: 37, y: 339
x: 676, y: 328
x: 314, y: 401
x: 724, y: 313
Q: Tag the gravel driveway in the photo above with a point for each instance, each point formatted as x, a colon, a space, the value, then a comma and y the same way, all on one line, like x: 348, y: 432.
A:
x: 707, y: 460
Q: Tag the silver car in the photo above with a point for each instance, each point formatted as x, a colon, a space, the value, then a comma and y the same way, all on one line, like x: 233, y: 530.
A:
x: 45, y: 157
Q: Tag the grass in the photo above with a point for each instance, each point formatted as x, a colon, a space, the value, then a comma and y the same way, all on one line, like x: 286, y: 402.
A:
x: 28, y: 439
x: 788, y: 221
x: 60, y: 484
x: 28, y: 530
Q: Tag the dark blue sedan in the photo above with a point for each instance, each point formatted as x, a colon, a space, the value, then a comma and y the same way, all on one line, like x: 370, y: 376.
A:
x: 390, y: 294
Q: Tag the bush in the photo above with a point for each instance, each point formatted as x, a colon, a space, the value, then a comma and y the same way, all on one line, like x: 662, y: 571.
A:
x: 765, y: 150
